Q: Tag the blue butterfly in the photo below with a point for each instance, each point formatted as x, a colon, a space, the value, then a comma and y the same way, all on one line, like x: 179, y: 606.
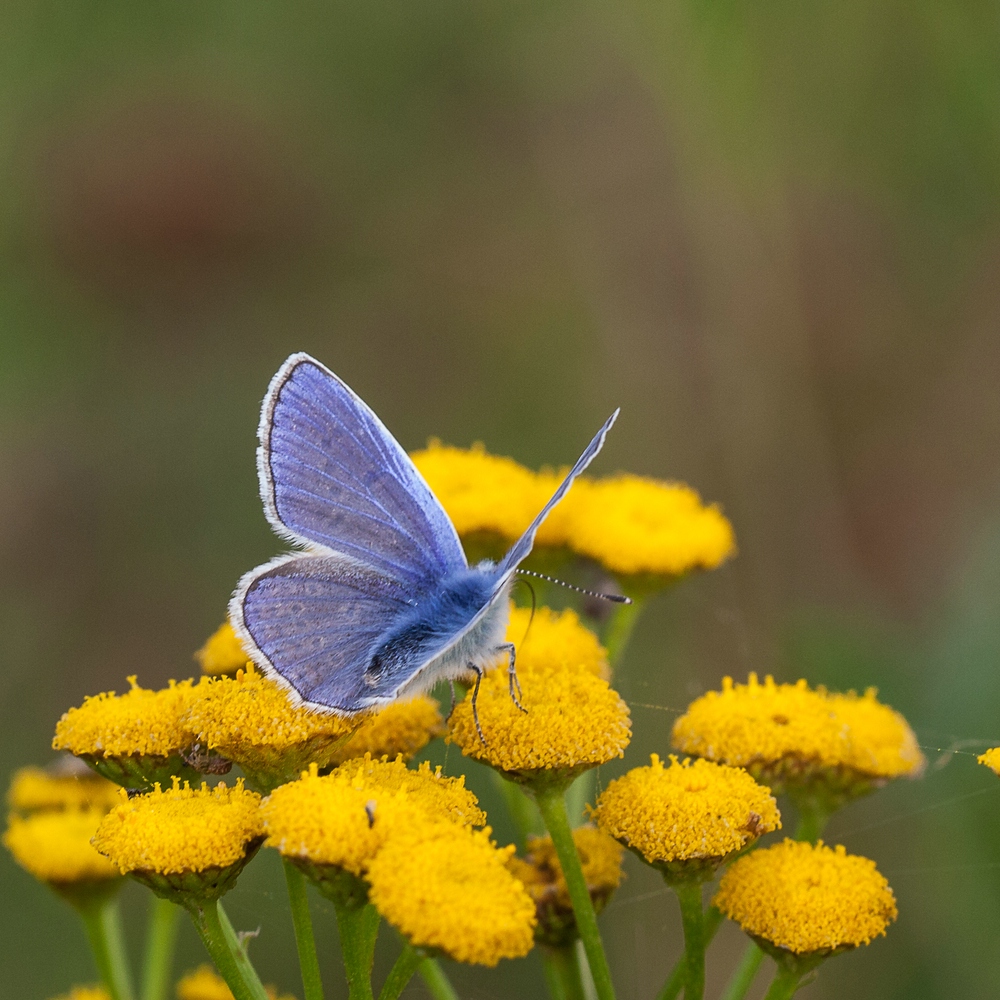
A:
x: 382, y: 603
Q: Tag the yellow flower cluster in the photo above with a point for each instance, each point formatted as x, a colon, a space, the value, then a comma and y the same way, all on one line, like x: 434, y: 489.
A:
x: 807, y: 899
x: 630, y: 524
x: 55, y: 846
x: 139, y: 722
x: 223, y: 653
x: 403, y: 727
x: 781, y: 732
x: 555, y: 640
x: 991, y: 759
x: 33, y: 789
x: 181, y: 829
x: 689, y: 811
x: 204, y: 983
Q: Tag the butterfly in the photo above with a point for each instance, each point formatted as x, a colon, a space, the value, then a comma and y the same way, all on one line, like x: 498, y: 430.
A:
x: 379, y: 603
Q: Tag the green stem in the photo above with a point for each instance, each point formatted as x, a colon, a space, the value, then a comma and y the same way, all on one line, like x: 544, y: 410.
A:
x: 552, y: 805
x: 103, y: 924
x: 812, y: 820
x: 621, y: 624
x: 522, y: 810
x: 227, y: 953
x: 401, y: 973
x: 358, y: 927
x: 161, y: 936
x: 305, y: 941
x: 742, y: 979
x: 784, y: 984
x: 436, y: 980
x: 693, y: 921
x: 562, y: 973
x: 675, y: 983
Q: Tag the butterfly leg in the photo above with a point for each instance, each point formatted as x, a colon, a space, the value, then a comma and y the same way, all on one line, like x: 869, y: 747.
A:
x: 513, y: 684
x: 475, y: 698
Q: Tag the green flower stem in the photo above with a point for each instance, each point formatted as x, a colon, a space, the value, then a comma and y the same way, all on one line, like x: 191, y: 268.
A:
x: 621, y: 624
x: 401, y: 973
x: 103, y: 924
x: 675, y: 983
x: 436, y: 980
x: 552, y: 806
x: 522, y: 810
x: 562, y: 973
x: 358, y: 929
x: 161, y: 936
x: 305, y: 941
x: 784, y: 984
x: 227, y: 953
x: 693, y: 921
x: 812, y: 820
x: 742, y: 979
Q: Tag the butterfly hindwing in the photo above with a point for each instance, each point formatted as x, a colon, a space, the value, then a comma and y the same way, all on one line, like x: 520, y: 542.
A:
x: 332, y: 475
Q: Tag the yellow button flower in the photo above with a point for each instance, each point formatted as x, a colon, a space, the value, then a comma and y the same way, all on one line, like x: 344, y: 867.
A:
x: 86, y: 993
x: 204, y: 983
x: 447, y: 888
x: 800, y: 740
x: 33, y: 789
x: 807, y: 899
x: 540, y: 872
x: 573, y: 721
x: 252, y: 721
x: 991, y: 759
x: 686, y: 818
x: 555, y: 640
x: 638, y: 526
x: 223, y: 653
x: 55, y: 847
x: 184, y: 843
x: 134, y: 739
x: 403, y: 727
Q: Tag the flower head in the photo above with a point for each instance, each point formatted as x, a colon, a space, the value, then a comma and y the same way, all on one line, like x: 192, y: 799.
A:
x: 223, y: 653
x: 34, y: 789
x: 204, y: 983
x: 184, y: 842
x: 252, y: 721
x: 402, y: 727
x: 633, y: 525
x: 573, y: 720
x: 688, y: 817
x: 446, y: 887
x: 991, y: 759
x: 134, y: 739
x: 807, y: 899
x: 541, y: 874
x: 800, y: 740
x: 555, y: 640
x: 55, y: 847
x: 86, y: 993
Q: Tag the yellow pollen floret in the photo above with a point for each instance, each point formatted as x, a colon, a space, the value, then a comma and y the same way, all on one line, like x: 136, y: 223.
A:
x: 574, y: 720
x: 223, y: 653
x: 555, y: 639
x: 806, y: 898
x: 181, y: 829
x: 86, y: 993
x: 447, y: 888
x: 439, y: 797
x: 55, y: 847
x: 631, y: 525
x: 686, y: 811
x: 204, y: 983
x: 139, y: 722
x: 33, y: 789
x: 763, y: 724
x: 991, y: 759
x: 402, y: 727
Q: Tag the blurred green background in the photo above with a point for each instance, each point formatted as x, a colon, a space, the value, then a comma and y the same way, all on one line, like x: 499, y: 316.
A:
x: 769, y: 232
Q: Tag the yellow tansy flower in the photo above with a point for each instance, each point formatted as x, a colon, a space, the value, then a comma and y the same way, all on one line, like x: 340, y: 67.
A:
x: 634, y: 525
x: 801, y: 740
x: 551, y: 640
x: 688, y: 817
x: 184, y: 841
x: 540, y: 872
x: 135, y: 739
x: 86, y: 993
x: 55, y: 847
x: 807, y: 899
x: 447, y: 887
x: 991, y: 759
x: 573, y: 721
x: 252, y: 721
x: 204, y: 983
x: 403, y: 727
x: 33, y: 789
x: 223, y: 653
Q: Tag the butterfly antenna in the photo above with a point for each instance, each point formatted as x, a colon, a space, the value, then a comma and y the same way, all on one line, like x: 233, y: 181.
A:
x: 617, y: 598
